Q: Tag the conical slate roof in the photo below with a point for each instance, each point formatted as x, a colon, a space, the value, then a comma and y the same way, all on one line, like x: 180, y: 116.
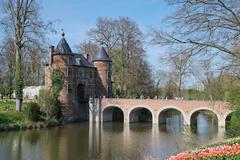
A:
x: 102, y: 56
x: 63, y: 47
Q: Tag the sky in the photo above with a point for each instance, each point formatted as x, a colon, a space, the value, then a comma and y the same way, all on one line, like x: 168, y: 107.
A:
x: 76, y: 17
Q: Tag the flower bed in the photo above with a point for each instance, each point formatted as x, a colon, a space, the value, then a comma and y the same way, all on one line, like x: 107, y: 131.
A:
x: 227, y: 151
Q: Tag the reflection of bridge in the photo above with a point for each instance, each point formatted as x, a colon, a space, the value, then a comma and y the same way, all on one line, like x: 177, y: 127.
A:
x: 101, y: 110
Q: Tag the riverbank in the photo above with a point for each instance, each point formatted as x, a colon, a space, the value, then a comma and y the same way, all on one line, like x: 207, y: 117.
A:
x: 11, y: 120
x: 28, y: 125
x: 226, y: 150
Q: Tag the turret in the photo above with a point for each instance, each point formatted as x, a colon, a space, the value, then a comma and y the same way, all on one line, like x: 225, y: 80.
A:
x: 104, y: 69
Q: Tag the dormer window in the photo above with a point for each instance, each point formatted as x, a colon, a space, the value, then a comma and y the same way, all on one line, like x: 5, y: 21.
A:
x: 70, y: 60
x: 78, y: 61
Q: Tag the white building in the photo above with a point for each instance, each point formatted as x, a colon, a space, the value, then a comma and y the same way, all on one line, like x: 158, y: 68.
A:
x: 31, y: 92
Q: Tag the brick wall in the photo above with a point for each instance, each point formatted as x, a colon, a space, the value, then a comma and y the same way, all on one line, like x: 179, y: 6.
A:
x: 103, y: 79
x: 71, y: 105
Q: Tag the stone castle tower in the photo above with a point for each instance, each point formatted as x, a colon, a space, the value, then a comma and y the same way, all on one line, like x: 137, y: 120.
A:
x: 82, y: 78
x: 104, y: 68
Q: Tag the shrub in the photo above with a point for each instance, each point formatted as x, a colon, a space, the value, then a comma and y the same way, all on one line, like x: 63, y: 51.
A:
x: 55, y: 108
x: 57, y: 83
x: 48, y: 100
x: 33, y: 111
x: 50, y: 105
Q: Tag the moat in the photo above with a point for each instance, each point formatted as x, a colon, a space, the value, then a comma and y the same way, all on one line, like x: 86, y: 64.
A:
x: 110, y: 140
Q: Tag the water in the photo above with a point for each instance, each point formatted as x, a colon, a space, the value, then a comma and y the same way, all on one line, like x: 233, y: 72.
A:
x: 109, y: 141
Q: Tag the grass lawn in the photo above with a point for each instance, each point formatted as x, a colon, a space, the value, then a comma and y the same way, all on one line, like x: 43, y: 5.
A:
x: 8, y: 115
x: 12, y: 120
x: 7, y: 104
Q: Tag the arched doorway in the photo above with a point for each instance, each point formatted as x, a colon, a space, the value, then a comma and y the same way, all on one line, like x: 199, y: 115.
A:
x: 140, y: 114
x: 113, y: 114
x: 83, y: 107
x: 170, y: 119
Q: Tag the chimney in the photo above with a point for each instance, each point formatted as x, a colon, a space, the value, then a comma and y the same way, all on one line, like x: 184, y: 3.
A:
x: 86, y: 56
x: 50, y: 58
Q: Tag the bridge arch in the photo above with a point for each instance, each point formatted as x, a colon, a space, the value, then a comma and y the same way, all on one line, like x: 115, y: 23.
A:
x: 216, y: 114
x: 169, y: 108
x: 227, y: 118
x: 140, y: 113
x: 227, y: 114
x: 112, y: 112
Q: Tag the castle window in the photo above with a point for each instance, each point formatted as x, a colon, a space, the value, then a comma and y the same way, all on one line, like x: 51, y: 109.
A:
x: 69, y: 88
x: 79, y: 73
x: 69, y: 72
x: 109, y: 67
x: 82, y: 73
x: 93, y: 74
x: 90, y: 75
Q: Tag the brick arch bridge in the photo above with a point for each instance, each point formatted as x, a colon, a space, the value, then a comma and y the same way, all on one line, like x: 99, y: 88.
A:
x: 186, y: 108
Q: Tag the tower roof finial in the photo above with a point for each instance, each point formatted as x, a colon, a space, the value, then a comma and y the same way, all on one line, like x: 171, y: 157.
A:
x: 63, y: 47
x: 63, y: 34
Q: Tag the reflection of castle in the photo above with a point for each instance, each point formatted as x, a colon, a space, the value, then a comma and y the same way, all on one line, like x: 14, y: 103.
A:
x: 83, y: 78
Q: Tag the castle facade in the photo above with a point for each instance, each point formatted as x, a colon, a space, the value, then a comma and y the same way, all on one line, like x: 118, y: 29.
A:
x: 82, y: 77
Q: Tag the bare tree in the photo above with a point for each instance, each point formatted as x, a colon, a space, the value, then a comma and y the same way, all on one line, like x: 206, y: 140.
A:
x: 124, y: 42
x: 202, y: 25
x: 160, y: 78
x: 104, y: 33
x: 180, y: 65
x: 8, y: 64
x: 22, y: 23
x: 87, y: 47
x: 210, y: 77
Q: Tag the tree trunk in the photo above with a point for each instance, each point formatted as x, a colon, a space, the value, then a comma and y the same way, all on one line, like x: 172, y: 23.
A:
x: 18, y: 80
x: 180, y: 87
x: 18, y: 105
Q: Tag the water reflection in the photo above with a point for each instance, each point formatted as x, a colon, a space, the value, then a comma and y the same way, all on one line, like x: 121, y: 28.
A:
x: 113, y: 127
x: 206, y: 130
x: 173, y: 124
x: 140, y: 127
x: 107, y: 141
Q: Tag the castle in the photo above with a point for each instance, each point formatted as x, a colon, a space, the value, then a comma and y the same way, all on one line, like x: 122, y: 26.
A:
x: 82, y: 77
